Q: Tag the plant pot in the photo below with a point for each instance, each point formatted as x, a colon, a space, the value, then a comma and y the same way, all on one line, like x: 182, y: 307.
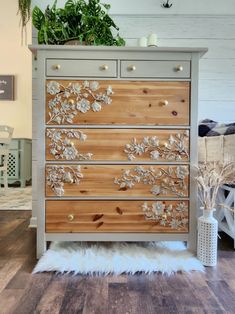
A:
x: 75, y: 42
x: 207, y: 238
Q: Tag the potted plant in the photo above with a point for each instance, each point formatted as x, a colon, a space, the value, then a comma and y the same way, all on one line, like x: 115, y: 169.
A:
x: 86, y: 22
x: 210, y: 177
x: 24, y: 10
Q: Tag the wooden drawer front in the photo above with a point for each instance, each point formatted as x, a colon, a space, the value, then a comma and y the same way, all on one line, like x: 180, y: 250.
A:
x: 117, y: 102
x: 155, y: 69
x: 117, y: 144
x: 79, y: 68
x: 116, y: 216
x: 117, y: 180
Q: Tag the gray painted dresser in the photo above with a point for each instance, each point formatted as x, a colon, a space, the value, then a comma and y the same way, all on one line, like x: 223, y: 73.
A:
x: 116, y: 136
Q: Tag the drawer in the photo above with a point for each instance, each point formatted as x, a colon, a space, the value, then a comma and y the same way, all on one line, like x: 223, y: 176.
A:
x: 117, y: 144
x: 117, y: 102
x: 117, y: 180
x: 79, y: 68
x: 155, y: 69
x: 116, y: 216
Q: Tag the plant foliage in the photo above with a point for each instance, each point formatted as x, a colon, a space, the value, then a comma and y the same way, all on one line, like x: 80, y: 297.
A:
x: 24, y: 9
x: 87, y: 21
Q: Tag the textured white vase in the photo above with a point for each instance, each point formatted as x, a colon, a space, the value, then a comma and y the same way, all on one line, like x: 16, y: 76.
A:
x: 207, y: 238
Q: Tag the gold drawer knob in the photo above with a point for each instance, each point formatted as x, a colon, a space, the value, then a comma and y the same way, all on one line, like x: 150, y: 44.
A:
x: 70, y: 217
x: 56, y: 67
x: 131, y: 68
x: 179, y: 68
x: 165, y: 102
x: 104, y: 67
x: 71, y: 101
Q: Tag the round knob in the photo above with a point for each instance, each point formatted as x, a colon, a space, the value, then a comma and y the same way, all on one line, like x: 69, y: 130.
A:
x: 70, y: 217
x: 104, y: 67
x: 179, y: 68
x: 56, y: 66
x: 132, y: 68
x: 71, y: 101
x: 165, y: 102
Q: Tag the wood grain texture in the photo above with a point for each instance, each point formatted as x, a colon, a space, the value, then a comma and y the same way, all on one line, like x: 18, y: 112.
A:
x: 103, y: 216
x: 109, y: 144
x: 98, y: 180
x: 138, y: 103
x: 209, y: 292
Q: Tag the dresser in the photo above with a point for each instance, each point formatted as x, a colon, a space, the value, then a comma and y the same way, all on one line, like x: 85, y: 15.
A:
x: 116, y: 137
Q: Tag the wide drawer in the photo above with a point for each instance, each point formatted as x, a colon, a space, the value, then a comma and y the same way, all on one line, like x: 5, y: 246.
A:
x: 79, y: 68
x: 117, y: 144
x: 116, y: 216
x: 155, y: 69
x: 117, y: 180
x: 117, y: 102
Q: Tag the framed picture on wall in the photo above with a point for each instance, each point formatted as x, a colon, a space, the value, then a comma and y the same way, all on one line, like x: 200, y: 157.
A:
x: 6, y: 87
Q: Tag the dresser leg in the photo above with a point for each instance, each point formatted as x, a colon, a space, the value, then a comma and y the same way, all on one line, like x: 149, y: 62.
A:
x: 41, y: 245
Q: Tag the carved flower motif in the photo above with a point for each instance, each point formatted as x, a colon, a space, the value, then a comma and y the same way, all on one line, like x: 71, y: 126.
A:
x: 86, y: 84
x: 67, y: 177
x: 83, y: 105
x: 158, y: 208
x: 56, y: 136
x: 154, y: 154
x: 76, y: 88
x: 86, y: 93
x: 109, y: 90
x: 162, y: 180
x: 61, y: 145
x: 94, y: 86
x: 53, y: 87
x: 65, y: 106
x: 59, y: 190
x: 175, y: 224
x: 171, y: 140
x: 107, y: 100
x: 181, y: 207
x: 166, y: 216
x: 181, y: 172
x: 70, y: 153
x: 96, y: 106
x: 57, y: 176
x: 174, y: 149
x: 156, y: 190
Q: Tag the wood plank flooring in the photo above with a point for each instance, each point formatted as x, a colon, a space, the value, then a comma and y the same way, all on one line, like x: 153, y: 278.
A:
x: 23, y: 293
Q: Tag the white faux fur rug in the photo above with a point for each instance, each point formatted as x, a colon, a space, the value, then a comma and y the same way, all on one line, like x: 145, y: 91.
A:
x: 117, y: 258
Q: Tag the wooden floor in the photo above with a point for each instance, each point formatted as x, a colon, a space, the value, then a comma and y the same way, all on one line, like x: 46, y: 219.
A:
x: 23, y: 293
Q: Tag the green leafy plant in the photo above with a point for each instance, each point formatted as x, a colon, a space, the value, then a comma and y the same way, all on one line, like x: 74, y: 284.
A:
x: 86, y: 21
x: 24, y: 9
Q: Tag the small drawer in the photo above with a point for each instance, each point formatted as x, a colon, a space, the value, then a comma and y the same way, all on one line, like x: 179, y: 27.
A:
x: 116, y: 216
x: 116, y: 181
x: 155, y: 69
x: 81, y: 68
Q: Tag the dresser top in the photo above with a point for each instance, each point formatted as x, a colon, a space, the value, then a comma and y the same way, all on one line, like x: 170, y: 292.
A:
x: 35, y: 48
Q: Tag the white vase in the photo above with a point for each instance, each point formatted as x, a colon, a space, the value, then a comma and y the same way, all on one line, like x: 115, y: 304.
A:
x: 207, y: 238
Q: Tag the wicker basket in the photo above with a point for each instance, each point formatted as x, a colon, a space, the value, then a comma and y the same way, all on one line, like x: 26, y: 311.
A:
x: 216, y: 148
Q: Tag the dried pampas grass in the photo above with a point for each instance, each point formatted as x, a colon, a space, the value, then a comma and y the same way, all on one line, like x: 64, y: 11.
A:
x: 210, y: 177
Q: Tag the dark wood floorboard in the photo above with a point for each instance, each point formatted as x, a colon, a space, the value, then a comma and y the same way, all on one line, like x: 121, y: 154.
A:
x: 48, y: 293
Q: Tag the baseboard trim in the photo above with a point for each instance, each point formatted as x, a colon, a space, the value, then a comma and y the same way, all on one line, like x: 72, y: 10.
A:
x: 33, y: 222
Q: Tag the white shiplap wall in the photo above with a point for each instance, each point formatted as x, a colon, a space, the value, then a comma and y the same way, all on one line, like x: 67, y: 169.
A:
x: 217, y: 68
